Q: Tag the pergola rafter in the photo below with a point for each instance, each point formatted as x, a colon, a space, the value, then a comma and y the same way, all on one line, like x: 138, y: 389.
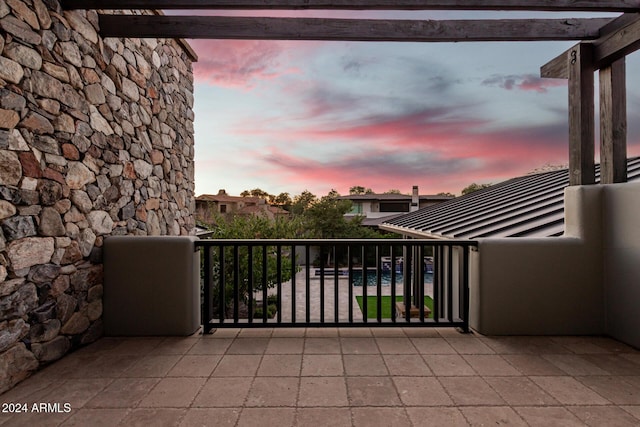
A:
x: 539, y: 5
x: 605, y: 43
x: 259, y: 28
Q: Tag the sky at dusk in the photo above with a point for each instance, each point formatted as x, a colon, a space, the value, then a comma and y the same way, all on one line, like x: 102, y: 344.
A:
x: 290, y: 116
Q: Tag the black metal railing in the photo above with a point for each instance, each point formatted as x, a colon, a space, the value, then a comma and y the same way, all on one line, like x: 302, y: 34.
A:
x: 301, y: 283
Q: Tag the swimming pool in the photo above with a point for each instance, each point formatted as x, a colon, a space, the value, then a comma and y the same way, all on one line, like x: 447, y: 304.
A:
x: 386, y: 278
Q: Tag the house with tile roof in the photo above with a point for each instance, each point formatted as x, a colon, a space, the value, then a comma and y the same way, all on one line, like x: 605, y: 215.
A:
x: 210, y: 206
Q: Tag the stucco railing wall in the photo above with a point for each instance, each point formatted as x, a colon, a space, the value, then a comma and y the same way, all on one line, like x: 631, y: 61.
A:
x: 622, y: 261
x: 544, y: 286
x: 96, y: 139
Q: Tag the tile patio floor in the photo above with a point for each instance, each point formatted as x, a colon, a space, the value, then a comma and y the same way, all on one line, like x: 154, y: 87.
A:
x: 339, y: 377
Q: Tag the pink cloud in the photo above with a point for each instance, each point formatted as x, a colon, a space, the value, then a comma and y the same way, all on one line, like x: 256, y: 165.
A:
x: 239, y: 63
x: 526, y: 82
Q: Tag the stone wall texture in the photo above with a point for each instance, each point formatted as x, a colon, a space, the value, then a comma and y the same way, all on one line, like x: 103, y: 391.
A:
x: 96, y: 139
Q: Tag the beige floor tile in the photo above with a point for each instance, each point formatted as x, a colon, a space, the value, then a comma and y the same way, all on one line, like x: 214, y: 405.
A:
x: 524, y: 345
x: 355, y: 332
x: 74, y: 365
x: 433, y: 345
x: 105, y: 366
x: 372, y: 391
x: 614, y: 389
x: 235, y: 365
x: 614, y: 364
x: 322, y: 332
x: 176, y: 345
x: 173, y: 393
x: 574, y: 364
x: 36, y: 384
x: 136, y: 346
x: 581, y: 345
x: 448, y: 365
x: 421, y: 391
x: 322, y: 365
x: 285, y: 346
x: 205, y: 417
x: 421, y: 332
x: 469, y: 345
x: 550, y: 416
x: 441, y: 416
x: 267, y: 417
x: 396, y: 345
x: 322, y: 391
x: 364, y: 365
x: 195, y: 366
x: 610, y: 416
x: 224, y: 392
x: 322, y: 346
x: 248, y: 346
x: 273, y: 391
x: 281, y: 365
x: 520, y: 391
x: 210, y: 346
x: 388, y: 333
x: 323, y: 417
x: 490, y: 365
x: 151, y: 366
x: 470, y: 391
x: 255, y: 333
x: 568, y: 391
x: 32, y: 419
x: 355, y: 345
x: 96, y: 417
x: 533, y: 365
x: 156, y: 417
x: 224, y: 333
x: 493, y: 416
x: 451, y: 332
x: 380, y: 417
x: 407, y: 365
x: 123, y: 393
x: 76, y: 392
x: 633, y: 410
x: 289, y: 333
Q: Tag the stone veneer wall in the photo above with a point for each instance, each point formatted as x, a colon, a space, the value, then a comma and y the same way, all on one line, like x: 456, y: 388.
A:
x: 96, y: 139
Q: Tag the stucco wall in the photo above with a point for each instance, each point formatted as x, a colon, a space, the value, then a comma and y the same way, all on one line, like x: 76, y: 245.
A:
x: 622, y: 261
x: 96, y: 139
x: 544, y: 285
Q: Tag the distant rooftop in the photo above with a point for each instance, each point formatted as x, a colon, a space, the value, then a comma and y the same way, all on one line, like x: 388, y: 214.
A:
x: 531, y: 206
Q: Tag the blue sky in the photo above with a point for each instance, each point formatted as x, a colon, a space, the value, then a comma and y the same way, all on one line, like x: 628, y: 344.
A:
x: 290, y: 116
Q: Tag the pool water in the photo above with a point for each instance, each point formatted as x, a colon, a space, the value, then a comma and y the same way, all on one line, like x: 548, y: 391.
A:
x: 386, y: 278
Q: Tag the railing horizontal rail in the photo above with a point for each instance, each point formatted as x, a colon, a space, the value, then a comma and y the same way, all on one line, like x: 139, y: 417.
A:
x: 335, y: 282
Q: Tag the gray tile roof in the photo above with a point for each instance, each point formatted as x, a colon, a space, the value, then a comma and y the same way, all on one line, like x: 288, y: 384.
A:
x: 528, y: 206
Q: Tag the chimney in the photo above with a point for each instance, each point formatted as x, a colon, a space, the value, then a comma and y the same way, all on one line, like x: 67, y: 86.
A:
x: 415, y: 199
x: 222, y: 192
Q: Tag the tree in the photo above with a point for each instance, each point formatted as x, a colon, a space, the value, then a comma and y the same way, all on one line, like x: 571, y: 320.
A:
x: 256, y: 192
x: 446, y: 194
x: 358, y: 189
x: 474, y: 187
x: 283, y: 200
x: 302, y: 201
x: 392, y: 191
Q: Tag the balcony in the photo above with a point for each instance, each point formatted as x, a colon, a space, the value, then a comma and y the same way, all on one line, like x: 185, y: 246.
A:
x: 338, y: 377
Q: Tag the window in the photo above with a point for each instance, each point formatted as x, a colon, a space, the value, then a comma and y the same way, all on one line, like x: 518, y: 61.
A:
x: 356, y: 208
x: 223, y: 208
x: 394, y: 206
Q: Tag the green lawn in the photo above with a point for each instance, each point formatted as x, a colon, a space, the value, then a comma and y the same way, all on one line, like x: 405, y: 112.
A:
x: 372, y: 307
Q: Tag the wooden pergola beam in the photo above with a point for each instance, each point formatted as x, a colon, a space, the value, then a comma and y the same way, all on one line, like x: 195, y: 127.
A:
x: 542, y: 5
x: 617, y: 39
x: 224, y: 27
x: 581, y: 116
x: 613, y: 123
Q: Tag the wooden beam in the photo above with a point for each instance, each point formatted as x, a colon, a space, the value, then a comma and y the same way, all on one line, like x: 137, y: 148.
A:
x: 613, y: 123
x: 224, y: 27
x: 581, y: 116
x: 545, y: 5
x: 617, y: 39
